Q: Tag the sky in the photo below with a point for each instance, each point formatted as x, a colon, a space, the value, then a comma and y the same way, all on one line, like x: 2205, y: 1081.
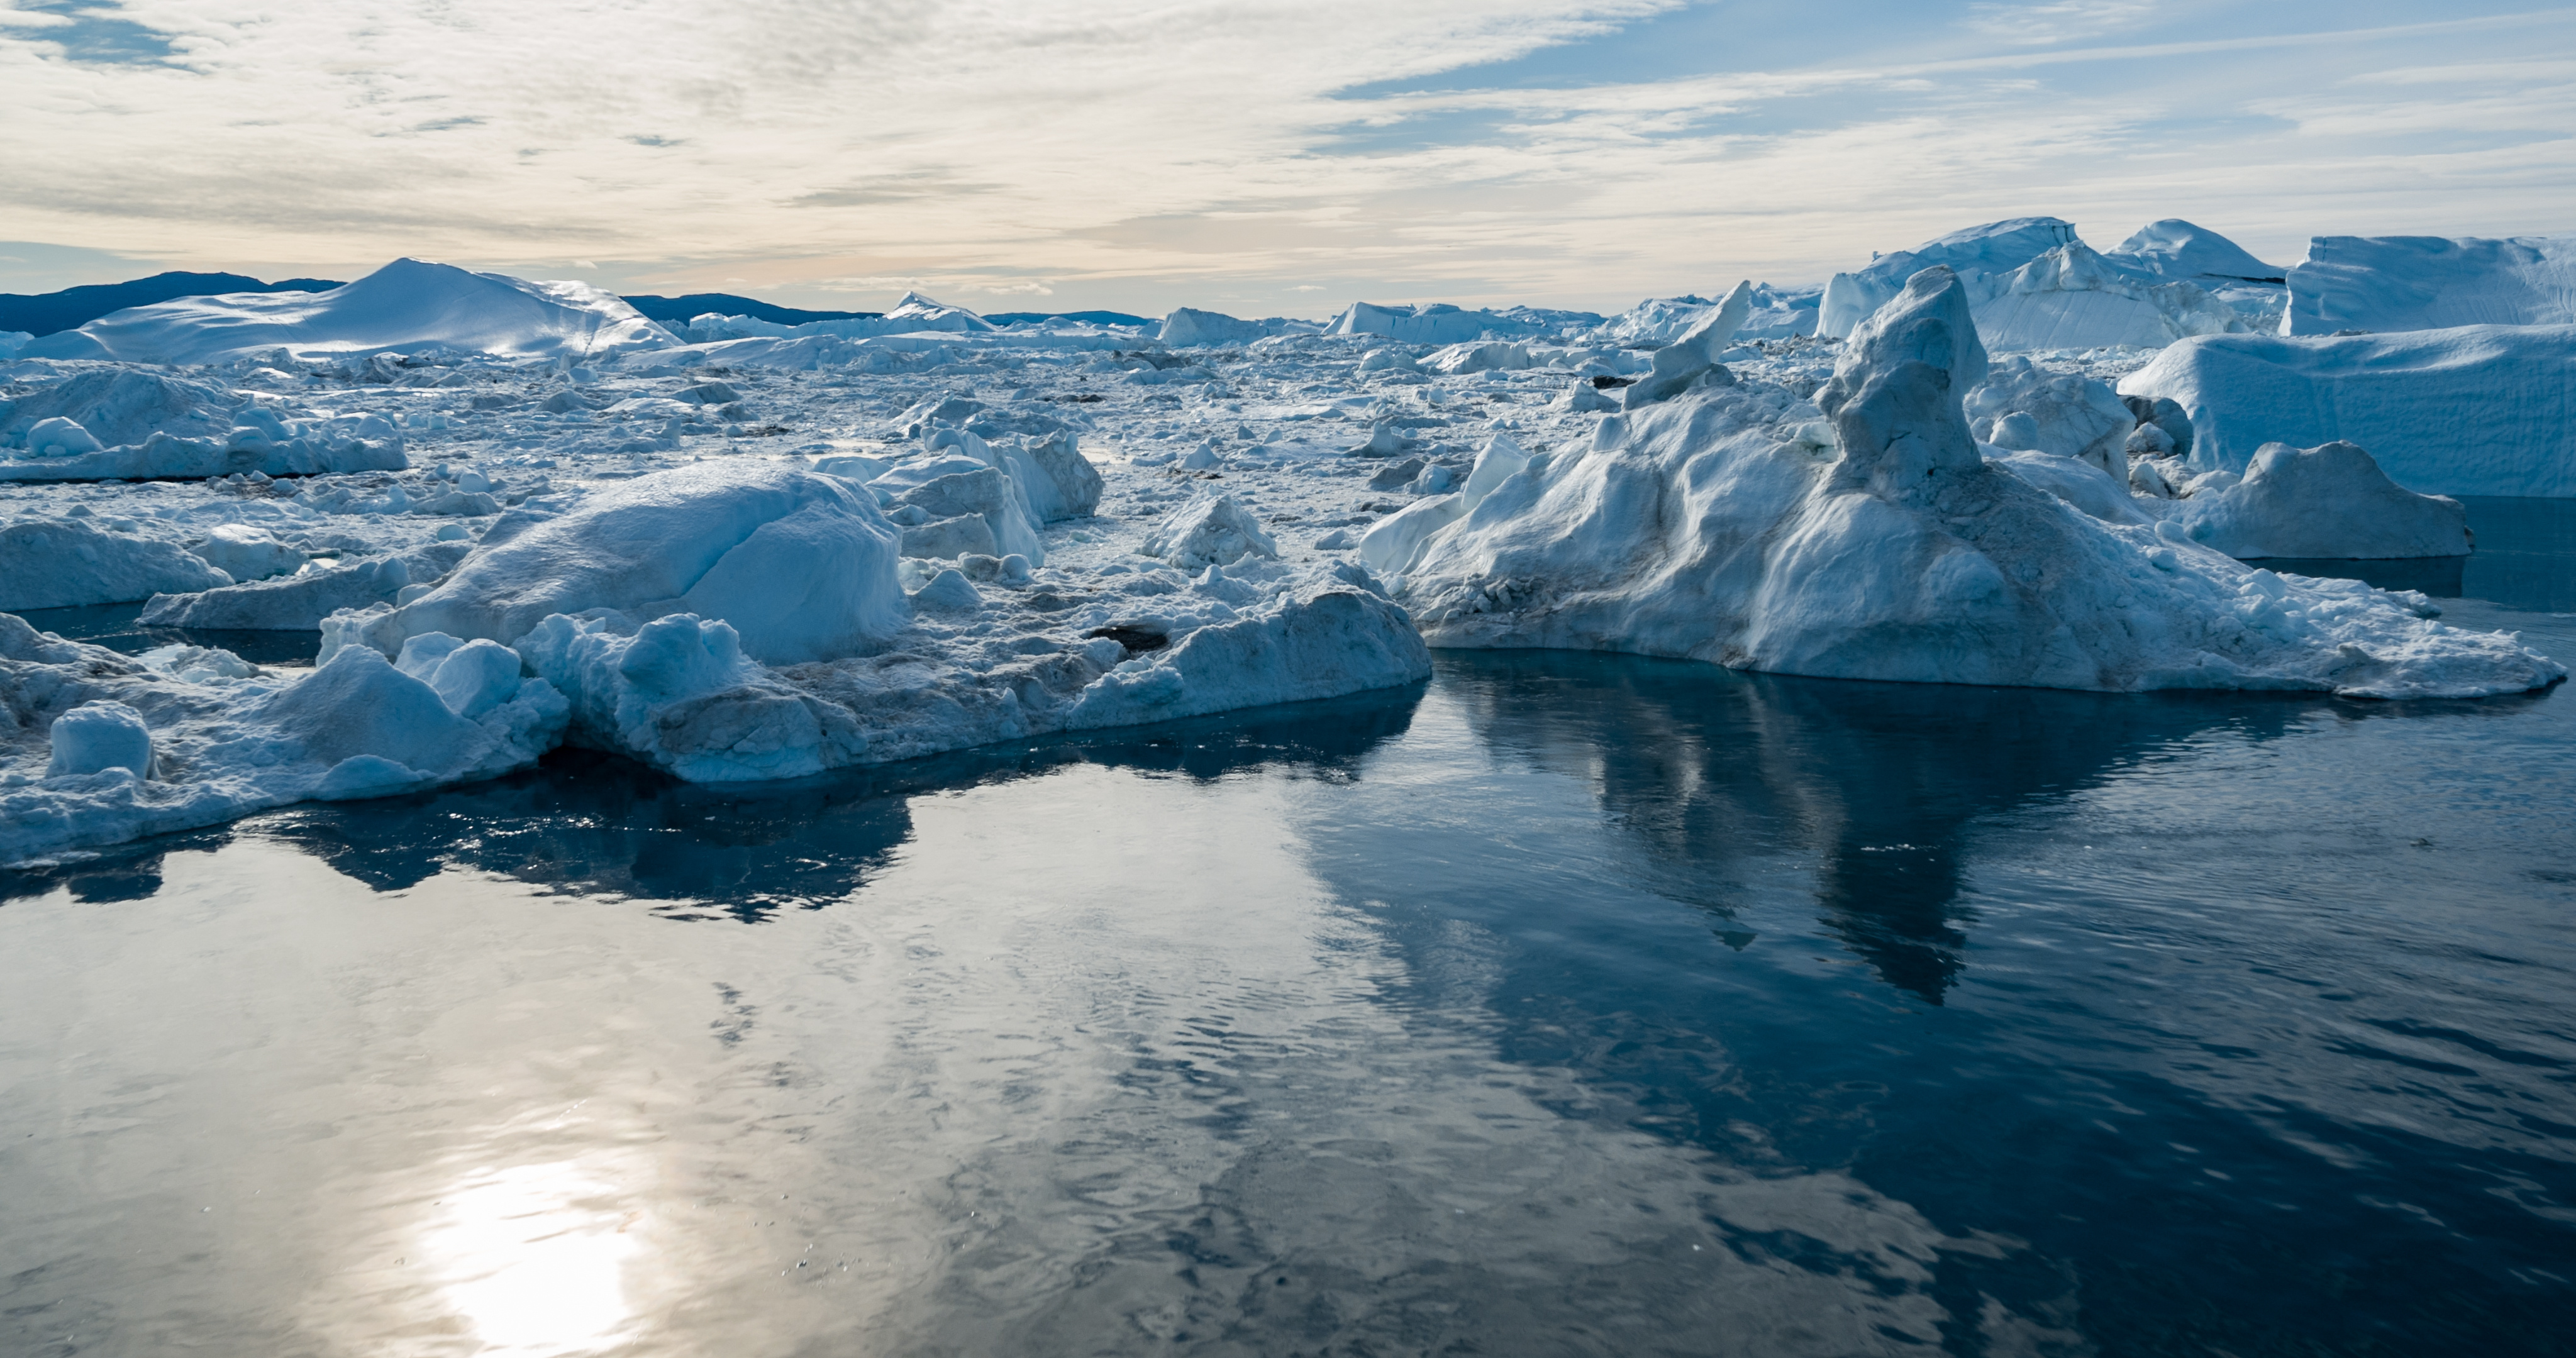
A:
x: 1258, y: 157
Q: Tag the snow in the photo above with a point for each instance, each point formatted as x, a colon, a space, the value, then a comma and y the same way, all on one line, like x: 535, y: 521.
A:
x: 407, y: 306
x: 1188, y: 327
x: 1706, y: 527
x: 2472, y: 410
x: 2033, y: 285
x: 2327, y: 501
x: 1442, y: 323
x: 2390, y: 283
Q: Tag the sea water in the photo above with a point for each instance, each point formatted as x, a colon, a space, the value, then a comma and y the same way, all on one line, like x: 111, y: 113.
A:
x: 1569, y: 1004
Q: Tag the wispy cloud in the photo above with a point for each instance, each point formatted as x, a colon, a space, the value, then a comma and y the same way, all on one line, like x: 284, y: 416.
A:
x: 1144, y: 153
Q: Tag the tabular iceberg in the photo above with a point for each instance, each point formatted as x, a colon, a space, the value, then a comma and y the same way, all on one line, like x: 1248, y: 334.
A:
x: 2381, y: 283
x: 2473, y: 410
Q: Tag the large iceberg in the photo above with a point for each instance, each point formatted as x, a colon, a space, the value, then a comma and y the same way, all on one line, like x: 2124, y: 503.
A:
x: 1442, y: 323
x: 914, y: 315
x: 407, y: 306
x: 2380, y: 283
x: 2073, y: 298
x: 2330, y: 501
x: 1716, y: 526
x: 1992, y: 248
x: 2473, y: 410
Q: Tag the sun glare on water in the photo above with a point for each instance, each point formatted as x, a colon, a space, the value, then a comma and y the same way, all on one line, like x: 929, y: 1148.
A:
x: 535, y: 1257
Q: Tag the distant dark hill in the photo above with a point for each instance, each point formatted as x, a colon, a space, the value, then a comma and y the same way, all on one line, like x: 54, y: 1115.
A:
x: 47, y: 312
x: 679, y: 310
x: 1094, y: 317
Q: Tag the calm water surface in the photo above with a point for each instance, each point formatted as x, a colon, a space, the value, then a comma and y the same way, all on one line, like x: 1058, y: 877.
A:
x: 1570, y: 1004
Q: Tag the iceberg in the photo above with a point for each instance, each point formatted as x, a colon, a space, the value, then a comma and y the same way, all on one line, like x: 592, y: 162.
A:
x: 798, y: 564
x: 407, y: 306
x: 2330, y: 501
x: 2471, y: 410
x: 2177, y: 250
x: 1435, y: 323
x: 1712, y: 527
x: 2072, y: 298
x: 218, y: 739
x: 2391, y: 283
x: 67, y: 563
x: 2022, y: 406
x: 1992, y: 248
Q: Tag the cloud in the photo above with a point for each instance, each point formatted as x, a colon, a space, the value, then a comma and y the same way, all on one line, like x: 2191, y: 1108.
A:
x: 1147, y: 153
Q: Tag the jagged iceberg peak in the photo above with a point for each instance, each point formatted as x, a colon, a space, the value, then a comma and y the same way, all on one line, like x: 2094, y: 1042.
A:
x: 1896, y: 390
x: 932, y: 314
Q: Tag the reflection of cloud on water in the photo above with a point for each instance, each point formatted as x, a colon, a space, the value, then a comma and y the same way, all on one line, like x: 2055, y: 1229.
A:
x: 1186, y: 1118
x: 1714, y: 772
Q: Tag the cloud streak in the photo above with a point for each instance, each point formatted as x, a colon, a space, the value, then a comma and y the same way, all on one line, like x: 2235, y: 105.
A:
x: 1148, y: 154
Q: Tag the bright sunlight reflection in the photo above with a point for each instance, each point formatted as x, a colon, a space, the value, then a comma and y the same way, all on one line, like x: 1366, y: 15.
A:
x: 534, y: 1257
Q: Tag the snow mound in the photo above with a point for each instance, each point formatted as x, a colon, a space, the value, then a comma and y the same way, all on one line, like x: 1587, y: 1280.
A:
x: 66, y: 563
x: 2383, y: 283
x: 2476, y: 410
x: 407, y: 306
x: 2176, y: 249
x: 223, y: 740
x: 1992, y: 248
x: 801, y: 567
x: 2073, y: 298
x: 2330, y: 501
x: 1709, y: 527
x: 2022, y: 406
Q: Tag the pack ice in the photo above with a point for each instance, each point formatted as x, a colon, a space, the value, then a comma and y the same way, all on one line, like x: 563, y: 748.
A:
x: 106, y: 424
x: 1724, y: 525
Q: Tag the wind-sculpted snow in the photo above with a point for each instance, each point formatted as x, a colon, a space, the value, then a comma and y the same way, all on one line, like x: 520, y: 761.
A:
x: 2475, y: 410
x: 1707, y: 528
x: 220, y: 739
x: 2384, y: 283
x: 406, y: 306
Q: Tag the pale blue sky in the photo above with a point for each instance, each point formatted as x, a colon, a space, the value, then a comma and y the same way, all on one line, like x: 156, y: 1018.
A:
x: 1255, y: 157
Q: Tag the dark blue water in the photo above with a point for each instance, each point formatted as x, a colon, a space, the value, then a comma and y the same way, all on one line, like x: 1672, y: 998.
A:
x: 1571, y: 1004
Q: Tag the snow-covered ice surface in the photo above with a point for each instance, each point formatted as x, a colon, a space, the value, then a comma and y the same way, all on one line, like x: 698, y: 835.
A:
x: 2471, y: 410
x: 765, y: 556
x: 2380, y: 283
